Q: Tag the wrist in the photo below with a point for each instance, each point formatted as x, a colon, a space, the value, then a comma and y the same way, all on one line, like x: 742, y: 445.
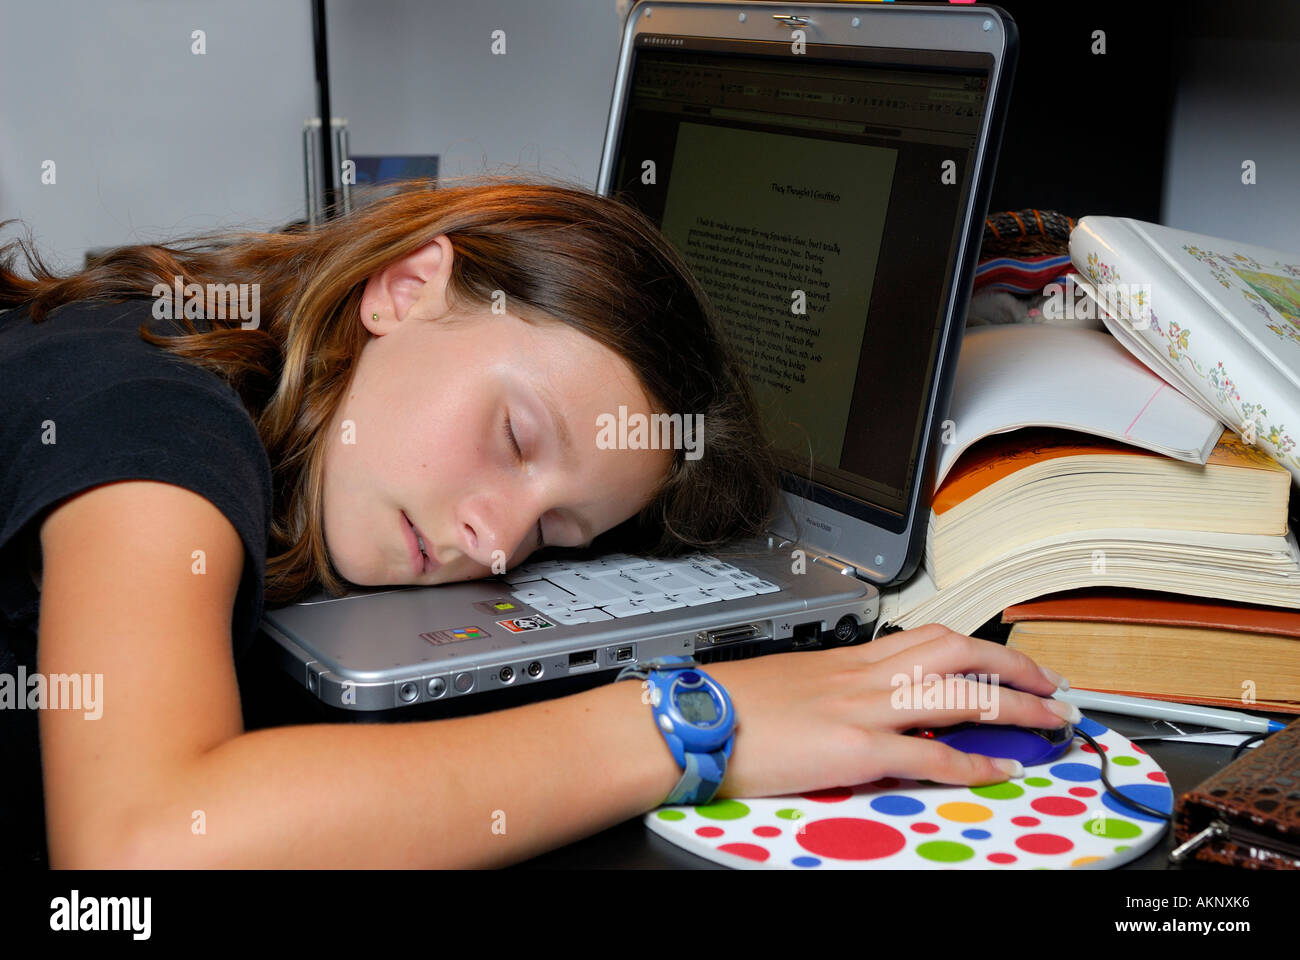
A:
x: 639, y: 744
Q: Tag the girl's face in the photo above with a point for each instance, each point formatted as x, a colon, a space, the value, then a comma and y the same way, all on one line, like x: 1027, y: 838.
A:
x: 424, y: 434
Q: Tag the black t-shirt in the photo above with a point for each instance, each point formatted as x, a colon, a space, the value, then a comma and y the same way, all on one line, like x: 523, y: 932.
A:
x: 117, y: 408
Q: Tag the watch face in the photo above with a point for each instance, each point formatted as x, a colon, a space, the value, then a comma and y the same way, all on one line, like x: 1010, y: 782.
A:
x: 697, y: 707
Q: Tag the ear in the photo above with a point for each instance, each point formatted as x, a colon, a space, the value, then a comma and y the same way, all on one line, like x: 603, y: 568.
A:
x: 414, y: 286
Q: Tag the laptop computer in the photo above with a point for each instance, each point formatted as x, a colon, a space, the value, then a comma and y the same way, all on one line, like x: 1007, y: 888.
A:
x: 842, y: 152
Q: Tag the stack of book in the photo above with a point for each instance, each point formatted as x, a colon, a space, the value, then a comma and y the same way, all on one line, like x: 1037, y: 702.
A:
x: 1155, y: 457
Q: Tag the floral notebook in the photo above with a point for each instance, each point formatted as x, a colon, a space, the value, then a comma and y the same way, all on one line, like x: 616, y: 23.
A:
x: 1219, y: 320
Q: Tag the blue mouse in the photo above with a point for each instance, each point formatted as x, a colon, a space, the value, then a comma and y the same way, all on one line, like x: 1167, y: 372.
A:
x: 1030, y: 745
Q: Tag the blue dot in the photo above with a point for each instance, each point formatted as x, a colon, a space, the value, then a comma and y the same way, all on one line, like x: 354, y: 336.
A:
x: 1076, y: 771
x: 1091, y: 727
x: 898, y: 805
x: 976, y: 834
x: 806, y: 862
x: 1154, y: 795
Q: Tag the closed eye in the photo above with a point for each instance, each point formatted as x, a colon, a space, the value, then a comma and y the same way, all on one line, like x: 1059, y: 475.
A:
x: 519, y: 456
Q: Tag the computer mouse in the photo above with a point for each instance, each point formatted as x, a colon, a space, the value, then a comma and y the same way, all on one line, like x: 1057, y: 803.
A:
x: 1030, y: 745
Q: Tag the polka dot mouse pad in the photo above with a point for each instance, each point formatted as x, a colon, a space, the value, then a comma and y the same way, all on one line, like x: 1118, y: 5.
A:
x: 1058, y: 816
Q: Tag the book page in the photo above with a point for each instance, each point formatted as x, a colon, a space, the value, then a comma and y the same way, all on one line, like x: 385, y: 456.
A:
x: 1022, y: 375
x: 796, y: 214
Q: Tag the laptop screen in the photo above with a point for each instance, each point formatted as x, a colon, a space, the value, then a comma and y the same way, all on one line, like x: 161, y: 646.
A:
x: 818, y: 200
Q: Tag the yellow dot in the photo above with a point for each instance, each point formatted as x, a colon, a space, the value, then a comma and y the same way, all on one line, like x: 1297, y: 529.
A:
x: 964, y: 812
x: 1080, y: 861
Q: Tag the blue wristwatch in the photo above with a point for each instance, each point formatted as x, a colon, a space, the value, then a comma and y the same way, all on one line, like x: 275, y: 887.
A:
x: 696, y: 717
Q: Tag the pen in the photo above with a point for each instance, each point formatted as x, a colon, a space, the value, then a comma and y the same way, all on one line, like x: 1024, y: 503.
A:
x: 1162, y: 710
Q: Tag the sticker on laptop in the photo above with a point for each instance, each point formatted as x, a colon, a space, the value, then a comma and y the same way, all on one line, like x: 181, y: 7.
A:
x: 521, y: 624
x: 499, y: 607
x: 455, y: 635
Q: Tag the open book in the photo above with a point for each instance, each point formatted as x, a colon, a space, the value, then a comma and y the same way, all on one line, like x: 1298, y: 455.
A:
x: 1218, y: 319
x: 1021, y: 375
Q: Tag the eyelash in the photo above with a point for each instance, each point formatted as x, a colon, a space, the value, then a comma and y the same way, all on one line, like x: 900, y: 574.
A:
x: 519, y: 455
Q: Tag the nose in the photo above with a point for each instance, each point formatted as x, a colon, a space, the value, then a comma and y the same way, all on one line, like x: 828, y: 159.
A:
x: 491, y: 522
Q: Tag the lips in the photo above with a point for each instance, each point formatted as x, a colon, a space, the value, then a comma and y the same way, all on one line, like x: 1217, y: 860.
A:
x: 420, y: 564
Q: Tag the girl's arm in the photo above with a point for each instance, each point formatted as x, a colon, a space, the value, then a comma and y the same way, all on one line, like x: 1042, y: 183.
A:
x: 165, y: 775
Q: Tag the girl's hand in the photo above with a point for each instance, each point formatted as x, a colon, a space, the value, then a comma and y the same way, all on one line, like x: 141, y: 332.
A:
x: 815, y: 719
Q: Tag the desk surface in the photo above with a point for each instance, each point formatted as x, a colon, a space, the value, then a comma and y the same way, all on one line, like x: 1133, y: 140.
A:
x: 271, y: 698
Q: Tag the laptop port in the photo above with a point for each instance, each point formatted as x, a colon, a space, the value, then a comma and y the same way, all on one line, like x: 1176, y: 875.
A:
x: 534, y: 669
x: 736, y: 634
x: 506, y: 675
x: 807, y: 634
x: 582, y: 659
x: 622, y: 654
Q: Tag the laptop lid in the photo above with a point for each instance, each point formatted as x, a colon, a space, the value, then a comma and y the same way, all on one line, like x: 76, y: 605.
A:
x: 824, y: 169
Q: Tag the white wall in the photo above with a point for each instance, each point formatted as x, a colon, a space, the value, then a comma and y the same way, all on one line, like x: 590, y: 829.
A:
x: 1238, y: 99
x: 418, y: 77
x: 149, y: 140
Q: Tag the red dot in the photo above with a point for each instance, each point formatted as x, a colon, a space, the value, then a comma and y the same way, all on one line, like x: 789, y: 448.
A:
x: 1059, y: 806
x: 1002, y: 858
x: 1025, y: 821
x: 766, y: 832
x: 1083, y: 791
x: 709, y: 831
x: 850, y: 838
x: 925, y: 827
x: 1158, y: 777
x: 749, y: 851
x: 1087, y: 747
x: 1045, y: 843
x: 1136, y: 748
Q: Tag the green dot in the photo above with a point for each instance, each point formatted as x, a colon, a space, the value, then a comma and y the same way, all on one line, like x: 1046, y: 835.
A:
x: 1121, y: 848
x: 1037, y: 782
x: 931, y: 783
x: 999, y: 791
x: 790, y: 813
x: 1112, y: 828
x: 945, y: 851
x: 671, y: 815
x: 723, y: 810
x: 1125, y: 761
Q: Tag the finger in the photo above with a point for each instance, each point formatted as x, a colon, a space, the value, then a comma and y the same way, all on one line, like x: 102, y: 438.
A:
x: 957, y: 653
x: 893, y: 643
x: 949, y: 700
x: 917, y: 758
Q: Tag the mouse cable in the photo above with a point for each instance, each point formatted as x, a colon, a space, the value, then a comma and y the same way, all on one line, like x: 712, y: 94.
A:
x: 1110, y: 788
x: 1241, y: 747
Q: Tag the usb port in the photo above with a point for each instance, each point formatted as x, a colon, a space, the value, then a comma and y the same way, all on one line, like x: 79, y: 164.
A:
x: 582, y: 659
x: 622, y: 653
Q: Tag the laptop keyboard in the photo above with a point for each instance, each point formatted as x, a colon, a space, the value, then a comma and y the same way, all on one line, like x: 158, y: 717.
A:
x: 621, y: 585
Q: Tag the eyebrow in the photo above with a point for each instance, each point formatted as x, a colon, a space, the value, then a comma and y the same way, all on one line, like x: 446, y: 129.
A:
x: 567, y: 456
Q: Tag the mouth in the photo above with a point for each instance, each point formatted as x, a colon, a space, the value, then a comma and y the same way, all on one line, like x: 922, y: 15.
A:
x: 421, y: 561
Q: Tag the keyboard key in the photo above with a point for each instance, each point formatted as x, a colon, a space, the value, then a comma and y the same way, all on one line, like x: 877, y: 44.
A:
x: 570, y: 617
x: 658, y: 604
x: 693, y: 598
x: 598, y: 590
x: 627, y: 608
x: 699, y: 576
x: 729, y: 591
x: 762, y: 586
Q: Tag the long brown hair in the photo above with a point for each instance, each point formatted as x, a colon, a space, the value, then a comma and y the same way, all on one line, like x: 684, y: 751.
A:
x: 556, y: 251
